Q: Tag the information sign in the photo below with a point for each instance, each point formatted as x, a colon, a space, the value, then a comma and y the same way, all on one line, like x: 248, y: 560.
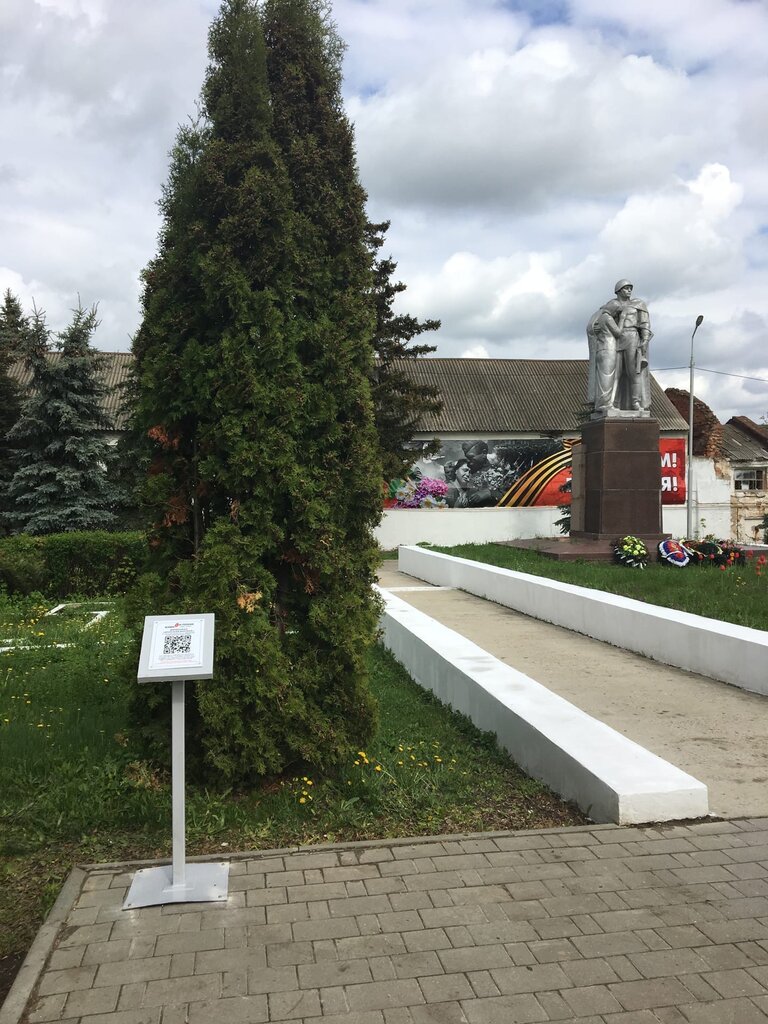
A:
x: 176, y: 647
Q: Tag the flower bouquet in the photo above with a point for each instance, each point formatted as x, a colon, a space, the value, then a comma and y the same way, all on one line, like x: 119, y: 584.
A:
x: 722, y: 553
x: 674, y: 552
x: 631, y: 551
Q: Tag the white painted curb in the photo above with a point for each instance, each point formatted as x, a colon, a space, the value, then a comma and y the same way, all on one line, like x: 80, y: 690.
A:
x: 609, y: 776
x: 719, y: 650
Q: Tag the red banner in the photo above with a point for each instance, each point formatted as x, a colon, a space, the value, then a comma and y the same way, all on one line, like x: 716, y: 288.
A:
x: 672, y: 452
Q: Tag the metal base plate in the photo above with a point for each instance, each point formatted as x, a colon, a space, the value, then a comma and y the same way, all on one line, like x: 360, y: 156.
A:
x: 203, y: 883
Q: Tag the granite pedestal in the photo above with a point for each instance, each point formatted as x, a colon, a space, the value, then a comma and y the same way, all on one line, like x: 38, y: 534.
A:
x: 617, y: 481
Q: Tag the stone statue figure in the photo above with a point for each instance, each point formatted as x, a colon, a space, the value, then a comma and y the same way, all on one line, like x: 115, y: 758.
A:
x: 618, y: 335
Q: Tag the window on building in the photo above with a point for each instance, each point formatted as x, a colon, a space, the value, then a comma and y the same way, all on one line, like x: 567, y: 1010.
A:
x: 752, y: 479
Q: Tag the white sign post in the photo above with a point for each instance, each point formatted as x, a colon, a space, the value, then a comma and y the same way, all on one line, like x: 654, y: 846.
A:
x: 176, y: 649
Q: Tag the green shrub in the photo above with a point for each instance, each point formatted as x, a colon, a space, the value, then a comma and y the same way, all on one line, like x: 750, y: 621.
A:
x: 60, y: 564
x: 22, y: 564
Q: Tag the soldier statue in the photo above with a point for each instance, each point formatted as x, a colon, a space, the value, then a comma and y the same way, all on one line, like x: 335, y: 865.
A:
x: 618, y: 335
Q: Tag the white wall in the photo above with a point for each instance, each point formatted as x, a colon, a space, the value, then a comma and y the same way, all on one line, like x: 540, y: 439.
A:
x: 448, y: 526
x: 711, y: 500
x: 463, y: 525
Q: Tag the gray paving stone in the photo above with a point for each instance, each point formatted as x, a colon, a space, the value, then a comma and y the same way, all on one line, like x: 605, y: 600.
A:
x: 639, y: 995
x: 175, y: 991
x: 382, y: 969
x: 271, y: 979
x: 446, y: 988
x: 430, y: 938
x: 487, y: 933
x: 185, y: 942
x: 71, y: 980
x: 95, y: 1000
x: 329, y: 973
x: 736, y: 982
x: 129, y: 971
x: 400, y: 921
x: 550, y: 950
x: 665, y: 963
x: 283, y: 954
x: 438, y: 1013
x: 523, y: 1009
x: 474, y: 958
x: 483, y: 984
x: 604, y: 945
x: 531, y: 978
x: 237, y: 1010
x: 591, y: 999
x: 294, y: 1005
x: 589, y: 972
x: 211, y: 961
x: 380, y: 994
x: 415, y: 965
x: 62, y: 959
x: 46, y: 1008
x: 359, y: 905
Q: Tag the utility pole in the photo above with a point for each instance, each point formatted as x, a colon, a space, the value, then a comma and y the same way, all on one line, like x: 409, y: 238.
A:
x: 689, y: 474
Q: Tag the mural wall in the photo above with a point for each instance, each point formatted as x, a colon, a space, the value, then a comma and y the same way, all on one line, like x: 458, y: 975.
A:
x: 510, y: 472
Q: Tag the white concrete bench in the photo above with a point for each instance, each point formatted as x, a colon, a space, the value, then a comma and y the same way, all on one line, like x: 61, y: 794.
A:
x: 719, y: 650
x: 610, y: 777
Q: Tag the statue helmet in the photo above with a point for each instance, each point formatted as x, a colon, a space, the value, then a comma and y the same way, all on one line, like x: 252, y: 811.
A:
x: 621, y: 284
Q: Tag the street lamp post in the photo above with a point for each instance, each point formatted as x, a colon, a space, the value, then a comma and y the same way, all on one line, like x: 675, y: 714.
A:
x: 689, y: 474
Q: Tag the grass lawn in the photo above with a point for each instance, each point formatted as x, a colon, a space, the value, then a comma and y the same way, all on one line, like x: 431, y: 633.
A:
x: 737, y: 594
x: 74, y: 789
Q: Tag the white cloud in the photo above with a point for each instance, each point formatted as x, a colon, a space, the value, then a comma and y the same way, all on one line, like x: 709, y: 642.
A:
x: 525, y: 162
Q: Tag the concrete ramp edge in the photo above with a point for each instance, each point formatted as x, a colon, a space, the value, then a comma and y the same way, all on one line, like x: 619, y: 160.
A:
x: 718, y: 650
x: 611, y: 778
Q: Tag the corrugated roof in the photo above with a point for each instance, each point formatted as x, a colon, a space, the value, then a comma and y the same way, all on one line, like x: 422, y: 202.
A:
x: 500, y: 396
x: 114, y: 370
x: 479, y: 395
x: 739, y: 446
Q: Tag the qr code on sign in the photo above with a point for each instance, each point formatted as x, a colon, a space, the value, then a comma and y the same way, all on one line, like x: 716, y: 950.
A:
x: 181, y: 643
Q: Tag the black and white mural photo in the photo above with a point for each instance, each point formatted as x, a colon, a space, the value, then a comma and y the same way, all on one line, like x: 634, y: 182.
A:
x: 482, y: 474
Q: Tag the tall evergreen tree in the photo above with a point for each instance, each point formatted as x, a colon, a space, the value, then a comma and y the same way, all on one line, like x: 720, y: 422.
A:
x: 61, y: 483
x: 14, y: 327
x: 252, y: 362
x: 400, y: 402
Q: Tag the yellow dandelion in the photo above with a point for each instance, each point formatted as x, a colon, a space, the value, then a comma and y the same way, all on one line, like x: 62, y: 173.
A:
x: 400, y: 762
x: 357, y: 763
x: 378, y: 768
x: 302, y: 799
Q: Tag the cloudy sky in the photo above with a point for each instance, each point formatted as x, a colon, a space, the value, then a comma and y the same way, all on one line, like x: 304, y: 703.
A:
x: 528, y: 153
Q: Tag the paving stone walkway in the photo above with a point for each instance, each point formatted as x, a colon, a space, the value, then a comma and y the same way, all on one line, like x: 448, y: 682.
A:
x: 599, y: 924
